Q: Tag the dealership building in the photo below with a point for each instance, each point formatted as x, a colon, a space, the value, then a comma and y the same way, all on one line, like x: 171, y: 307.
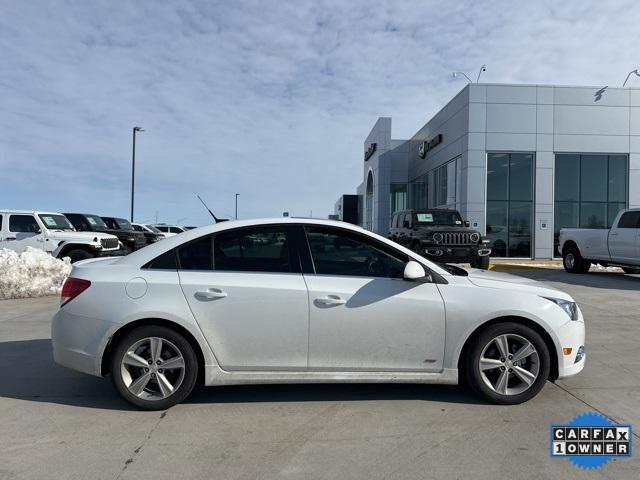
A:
x: 519, y: 162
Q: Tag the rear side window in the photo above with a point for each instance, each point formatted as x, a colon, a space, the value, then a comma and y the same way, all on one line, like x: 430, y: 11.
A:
x: 255, y: 249
x: 629, y: 220
x: 23, y: 224
x: 166, y: 261
x: 174, y: 230
x: 196, y: 255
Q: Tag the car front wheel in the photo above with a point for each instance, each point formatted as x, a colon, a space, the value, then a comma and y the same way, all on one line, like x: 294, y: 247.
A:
x: 573, y: 262
x: 508, y: 363
x: 154, y: 368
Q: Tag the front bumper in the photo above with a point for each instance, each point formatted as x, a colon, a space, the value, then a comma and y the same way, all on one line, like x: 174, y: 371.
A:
x: 109, y: 253
x: 571, y: 336
x: 78, y: 342
x: 453, y: 254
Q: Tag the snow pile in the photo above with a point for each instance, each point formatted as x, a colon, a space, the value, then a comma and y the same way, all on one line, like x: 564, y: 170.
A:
x: 33, y: 273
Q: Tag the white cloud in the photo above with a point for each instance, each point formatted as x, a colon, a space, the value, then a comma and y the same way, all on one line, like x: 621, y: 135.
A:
x: 269, y: 99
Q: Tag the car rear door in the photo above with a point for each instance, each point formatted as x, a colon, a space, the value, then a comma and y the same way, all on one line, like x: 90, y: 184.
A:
x: 624, y: 243
x: 250, y: 300
x: 363, y: 315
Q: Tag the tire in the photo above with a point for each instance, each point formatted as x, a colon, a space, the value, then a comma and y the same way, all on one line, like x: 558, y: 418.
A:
x: 573, y: 262
x: 481, y: 262
x: 488, y: 383
x: 126, y: 250
x: 77, y: 254
x: 631, y: 270
x: 154, y: 394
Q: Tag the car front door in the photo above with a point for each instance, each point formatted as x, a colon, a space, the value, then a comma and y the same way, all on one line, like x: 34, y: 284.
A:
x: 23, y: 232
x: 363, y: 315
x: 250, y: 299
x: 624, y: 243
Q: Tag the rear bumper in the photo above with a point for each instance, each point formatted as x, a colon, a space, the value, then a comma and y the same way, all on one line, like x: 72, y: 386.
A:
x: 78, y: 342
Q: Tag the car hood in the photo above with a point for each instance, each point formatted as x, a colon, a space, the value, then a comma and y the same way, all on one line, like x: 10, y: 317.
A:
x: 84, y: 236
x: 506, y: 281
x: 445, y: 228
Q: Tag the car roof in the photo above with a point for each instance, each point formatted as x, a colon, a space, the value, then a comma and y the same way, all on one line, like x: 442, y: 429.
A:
x: 145, y: 255
x: 30, y: 212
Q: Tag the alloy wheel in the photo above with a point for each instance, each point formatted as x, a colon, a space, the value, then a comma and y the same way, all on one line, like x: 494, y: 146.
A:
x: 569, y: 260
x: 153, y: 368
x: 509, y: 364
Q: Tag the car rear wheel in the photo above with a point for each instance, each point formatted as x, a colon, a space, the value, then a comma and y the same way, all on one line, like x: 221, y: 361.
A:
x: 154, y: 368
x: 573, y: 261
x: 508, y: 363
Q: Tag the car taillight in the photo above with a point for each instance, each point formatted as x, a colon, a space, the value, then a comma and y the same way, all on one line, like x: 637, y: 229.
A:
x: 72, y: 288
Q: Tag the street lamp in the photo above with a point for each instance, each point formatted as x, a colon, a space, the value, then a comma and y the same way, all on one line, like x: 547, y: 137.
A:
x: 456, y: 74
x: 237, y: 195
x: 133, y: 166
x: 483, y: 68
x: 627, y: 79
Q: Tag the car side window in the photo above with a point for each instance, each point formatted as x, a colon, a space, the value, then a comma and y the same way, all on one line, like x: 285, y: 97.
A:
x: 196, y: 255
x: 629, y: 220
x: 254, y: 249
x: 174, y: 230
x: 342, y: 252
x: 23, y: 224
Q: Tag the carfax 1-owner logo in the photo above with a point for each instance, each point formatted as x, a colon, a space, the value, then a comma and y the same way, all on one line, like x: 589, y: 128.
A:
x: 590, y: 440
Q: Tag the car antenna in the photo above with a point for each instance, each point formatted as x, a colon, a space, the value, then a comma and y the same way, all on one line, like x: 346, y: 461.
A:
x: 215, y: 219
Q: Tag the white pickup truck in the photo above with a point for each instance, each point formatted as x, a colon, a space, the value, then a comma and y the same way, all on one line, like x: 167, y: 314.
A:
x: 618, y: 246
x: 53, y: 233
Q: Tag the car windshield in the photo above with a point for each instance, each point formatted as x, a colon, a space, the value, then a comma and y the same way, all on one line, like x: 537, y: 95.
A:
x: 124, y: 224
x: 56, y: 222
x: 96, y: 222
x: 438, y: 217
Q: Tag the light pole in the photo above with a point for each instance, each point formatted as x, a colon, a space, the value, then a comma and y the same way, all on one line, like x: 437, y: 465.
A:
x: 627, y: 79
x: 133, y: 166
x: 237, y: 195
x: 483, y: 68
x: 455, y: 75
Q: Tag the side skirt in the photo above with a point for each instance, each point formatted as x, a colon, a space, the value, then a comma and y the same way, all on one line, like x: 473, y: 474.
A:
x: 214, y: 375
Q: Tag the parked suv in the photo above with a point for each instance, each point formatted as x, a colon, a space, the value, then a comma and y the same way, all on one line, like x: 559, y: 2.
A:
x: 441, y: 236
x: 87, y: 222
x: 150, y: 235
x: 53, y: 233
x: 170, y: 230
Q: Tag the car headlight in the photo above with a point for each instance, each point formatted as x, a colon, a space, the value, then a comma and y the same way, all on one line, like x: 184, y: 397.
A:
x: 570, y: 308
x: 475, y: 237
x: 437, y: 237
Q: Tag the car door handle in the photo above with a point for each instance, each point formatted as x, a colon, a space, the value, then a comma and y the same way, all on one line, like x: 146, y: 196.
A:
x: 10, y: 238
x: 330, y: 300
x: 613, y: 234
x: 210, y: 294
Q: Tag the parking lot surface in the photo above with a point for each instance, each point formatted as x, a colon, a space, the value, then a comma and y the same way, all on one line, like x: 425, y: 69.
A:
x: 55, y: 423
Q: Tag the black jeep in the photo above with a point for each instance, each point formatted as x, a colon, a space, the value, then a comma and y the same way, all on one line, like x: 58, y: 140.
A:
x: 441, y: 236
x: 130, y: 239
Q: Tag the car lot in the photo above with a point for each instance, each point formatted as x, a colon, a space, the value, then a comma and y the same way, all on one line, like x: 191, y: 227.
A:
x: 55, y: 423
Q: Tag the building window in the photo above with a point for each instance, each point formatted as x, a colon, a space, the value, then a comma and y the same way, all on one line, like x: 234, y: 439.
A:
x: 589, y: 191
x: 510, y: 203
x: 397, y: 197
x: 368, y: 204
x: 419, y: 192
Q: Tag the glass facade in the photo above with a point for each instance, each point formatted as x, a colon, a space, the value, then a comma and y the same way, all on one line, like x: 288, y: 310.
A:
x: 589, y: 191
x: 510, y: 179
x: 397, y: 197
x: 435, y: 189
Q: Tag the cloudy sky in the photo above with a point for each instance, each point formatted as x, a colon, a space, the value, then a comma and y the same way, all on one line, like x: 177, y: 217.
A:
x: 272, y: 100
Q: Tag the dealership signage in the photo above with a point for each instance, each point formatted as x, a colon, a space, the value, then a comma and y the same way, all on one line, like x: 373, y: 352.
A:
x: 429, y: 145
x: 370, y: 151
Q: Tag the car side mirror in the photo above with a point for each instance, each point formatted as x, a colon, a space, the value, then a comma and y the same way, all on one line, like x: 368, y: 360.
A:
x: 466, y: 223
x: 414, y: 271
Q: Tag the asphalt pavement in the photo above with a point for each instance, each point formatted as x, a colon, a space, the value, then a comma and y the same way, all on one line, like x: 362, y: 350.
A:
x: 56, y: 423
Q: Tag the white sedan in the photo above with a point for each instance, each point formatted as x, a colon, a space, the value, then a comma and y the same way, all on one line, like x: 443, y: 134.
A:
x: 297, y: 300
